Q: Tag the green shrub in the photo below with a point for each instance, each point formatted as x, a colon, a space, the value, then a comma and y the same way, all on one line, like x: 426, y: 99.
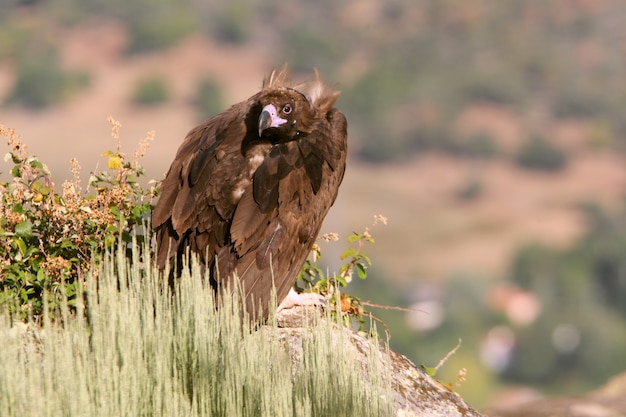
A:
x: 580, y: 104
x: 370, y: 103
x: 150, y: 91
x: 314, y: 279
x: 502, y: 89
x: 14, y: 38
x: 308, y: 48
x: 156, y: 24
x: 150, y: 36
x: 480, y: 145
x: 538, y: 153
x: 234, y: 23
x: 378, y: 151
x: 471, y: 189
x: 48, y: 240
x: 581, y: 289
x: 41, y: 82
x: 208, y: 100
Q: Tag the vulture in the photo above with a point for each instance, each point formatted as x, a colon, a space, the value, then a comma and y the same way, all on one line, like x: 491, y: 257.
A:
x: 249, y: 188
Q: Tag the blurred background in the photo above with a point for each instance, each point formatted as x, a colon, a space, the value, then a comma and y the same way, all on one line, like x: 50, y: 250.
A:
x: 490, y: 133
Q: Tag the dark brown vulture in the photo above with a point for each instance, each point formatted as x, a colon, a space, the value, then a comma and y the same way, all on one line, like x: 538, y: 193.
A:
x: 249, y: 188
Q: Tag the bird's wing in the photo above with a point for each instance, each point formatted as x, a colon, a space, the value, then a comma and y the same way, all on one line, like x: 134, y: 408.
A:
x: 197, y: 201
x: 281, y: 212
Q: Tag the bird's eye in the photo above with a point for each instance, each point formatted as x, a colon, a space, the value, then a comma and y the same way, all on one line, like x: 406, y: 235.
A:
x: 287, y: 108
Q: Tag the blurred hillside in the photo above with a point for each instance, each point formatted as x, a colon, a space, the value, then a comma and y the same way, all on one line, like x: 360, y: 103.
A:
x: 491, y: 134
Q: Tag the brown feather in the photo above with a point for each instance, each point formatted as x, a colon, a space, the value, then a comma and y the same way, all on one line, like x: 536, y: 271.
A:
x: 251, y: 207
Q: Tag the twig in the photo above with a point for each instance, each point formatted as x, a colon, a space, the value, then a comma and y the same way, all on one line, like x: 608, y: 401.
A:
x: 445, y: 358
x: 396, y: 308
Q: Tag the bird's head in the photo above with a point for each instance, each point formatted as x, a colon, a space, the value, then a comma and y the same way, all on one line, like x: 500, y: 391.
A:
x: 285, y: 115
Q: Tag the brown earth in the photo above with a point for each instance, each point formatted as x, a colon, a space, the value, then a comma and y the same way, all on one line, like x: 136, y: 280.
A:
x: 431, y: 231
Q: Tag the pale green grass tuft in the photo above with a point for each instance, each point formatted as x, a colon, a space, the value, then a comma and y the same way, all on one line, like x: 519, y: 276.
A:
x: 142, y: 352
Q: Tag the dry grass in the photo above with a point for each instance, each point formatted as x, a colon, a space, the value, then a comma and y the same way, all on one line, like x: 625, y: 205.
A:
x: 143, y: 352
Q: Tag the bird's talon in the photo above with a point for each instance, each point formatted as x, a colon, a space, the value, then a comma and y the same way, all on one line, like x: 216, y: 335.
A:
x: 301, y: 299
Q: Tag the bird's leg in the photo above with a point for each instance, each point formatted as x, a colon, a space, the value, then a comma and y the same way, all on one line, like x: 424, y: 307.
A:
x: 303, y: 299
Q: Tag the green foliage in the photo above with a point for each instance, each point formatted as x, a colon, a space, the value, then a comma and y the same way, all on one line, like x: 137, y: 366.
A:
x: 461, y: 55
x: 14, y: 38
x: 143, y: 351
x: 581, y: 289
x: 48, y: 240
x: 41, y: 82
x: 480, y: 145
x: 308, y: 48
x: 208, y: 100
x: 313, y: 278
x: 471, y: 189
x: 151, y: 91
x: 538, y: 153
x: 368, y: 103
x: 153, y: 31
x: 501, y: 89
x: 605, y: 244
x: 233, y: 24
x: 580, y: 104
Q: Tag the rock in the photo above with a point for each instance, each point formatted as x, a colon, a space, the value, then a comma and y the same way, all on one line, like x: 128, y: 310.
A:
x: 415, y: 394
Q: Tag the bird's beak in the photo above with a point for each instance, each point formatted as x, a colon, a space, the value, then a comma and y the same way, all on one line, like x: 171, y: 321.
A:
x: 269, y: 118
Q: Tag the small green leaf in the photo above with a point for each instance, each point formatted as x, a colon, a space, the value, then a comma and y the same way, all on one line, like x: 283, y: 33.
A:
x: 360, y: 270
x: 429, y: 371
x: 23, y: 229
x: 25, y: 292
x: 41, y: 276
x: 109, y: 241
x: 30, y: 251
x: 341, y: 281
x: 16, y: 172
x: 365, y: 258
x: 348, y: 253
x: 67, y: 244
x: 35, y: 163
x: 41, y: 188
x: 19, y: 244
x: 354, y: 237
